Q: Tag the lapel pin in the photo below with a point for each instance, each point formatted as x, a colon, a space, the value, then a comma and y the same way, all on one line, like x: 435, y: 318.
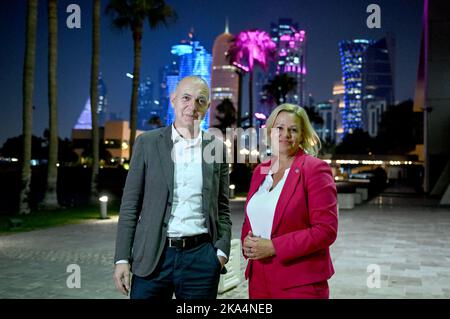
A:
x: 297, y: 170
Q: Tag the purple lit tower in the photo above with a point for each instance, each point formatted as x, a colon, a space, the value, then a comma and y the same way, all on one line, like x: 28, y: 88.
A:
x: 291, y: 48
x: 224, y: 80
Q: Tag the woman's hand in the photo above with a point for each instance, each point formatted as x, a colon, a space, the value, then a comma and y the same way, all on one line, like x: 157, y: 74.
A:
x: 256, y: 247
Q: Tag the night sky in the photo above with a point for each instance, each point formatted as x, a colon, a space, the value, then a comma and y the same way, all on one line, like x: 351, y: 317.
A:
x: 325, y: 22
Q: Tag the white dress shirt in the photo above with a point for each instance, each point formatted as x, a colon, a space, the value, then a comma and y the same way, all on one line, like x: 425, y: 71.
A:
x: 187, y: 218
x: 261, y: 207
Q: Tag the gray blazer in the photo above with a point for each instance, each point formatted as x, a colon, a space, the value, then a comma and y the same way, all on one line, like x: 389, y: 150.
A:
x: 147, y: 199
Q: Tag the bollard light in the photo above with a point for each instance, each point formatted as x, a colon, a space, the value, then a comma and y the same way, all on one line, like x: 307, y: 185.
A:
x: 103, y: 207
x: 232, y: 188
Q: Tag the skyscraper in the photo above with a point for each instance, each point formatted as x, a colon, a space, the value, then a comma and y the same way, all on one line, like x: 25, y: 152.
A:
x: 193, y: 59
x: 291, y: 48
x: 166, y: 74
x: 145, y: 104
x: 352, y: 53
x: 378, y: 80
x: 224, y: 80
x: 338, y: 107
x: 85, y: 120
x: 367, y: 69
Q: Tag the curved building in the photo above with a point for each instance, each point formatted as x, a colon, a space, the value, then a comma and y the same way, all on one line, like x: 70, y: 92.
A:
x: 224, y: 79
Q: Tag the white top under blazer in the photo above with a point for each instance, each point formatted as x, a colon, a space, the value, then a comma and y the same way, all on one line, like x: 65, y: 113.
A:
x: 261, y: 207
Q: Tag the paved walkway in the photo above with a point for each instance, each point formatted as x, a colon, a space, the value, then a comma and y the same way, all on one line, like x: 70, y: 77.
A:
x: 406, y: 237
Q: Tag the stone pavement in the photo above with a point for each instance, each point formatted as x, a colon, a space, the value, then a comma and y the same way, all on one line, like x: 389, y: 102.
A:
x: 405, y: 236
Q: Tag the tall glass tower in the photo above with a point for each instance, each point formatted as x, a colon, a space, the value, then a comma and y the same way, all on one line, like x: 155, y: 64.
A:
x: 367, y: 69
x: 352, y: 54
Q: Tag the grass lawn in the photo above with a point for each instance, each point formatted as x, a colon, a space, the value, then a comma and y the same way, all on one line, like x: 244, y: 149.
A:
x: 45, y: 219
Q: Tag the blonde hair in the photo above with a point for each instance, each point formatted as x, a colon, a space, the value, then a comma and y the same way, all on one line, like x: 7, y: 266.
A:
x: 309, y: 140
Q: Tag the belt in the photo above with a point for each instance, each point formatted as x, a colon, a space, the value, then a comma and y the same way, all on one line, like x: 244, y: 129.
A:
x: 188, y: 242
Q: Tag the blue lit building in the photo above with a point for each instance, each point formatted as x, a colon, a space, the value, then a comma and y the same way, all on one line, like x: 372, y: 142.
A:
x: 84, y: 121
x: 367, y: 72
x: 352, y: 54
x: 166, y: 76
x: 193, y: 59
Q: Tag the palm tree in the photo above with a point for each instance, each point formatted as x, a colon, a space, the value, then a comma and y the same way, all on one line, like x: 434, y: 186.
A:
x: 279, y: 87
x: 132, y: 14
x: 27, y: 92
x: 51, y: 199
x: 226, y: 116
x: 252, y: 47
x: 95, y: 61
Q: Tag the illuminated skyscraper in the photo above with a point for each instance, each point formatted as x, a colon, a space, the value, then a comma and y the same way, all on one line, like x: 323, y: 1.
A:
x: 352, y: 54
x: 224, y: 80
x: 291, y: 48
x: 85, y: 120
x: 193, y: 59
x: 165, y: 75
x: 367, y: 69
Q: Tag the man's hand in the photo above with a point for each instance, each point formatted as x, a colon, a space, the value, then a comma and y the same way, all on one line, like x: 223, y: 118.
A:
x: 222, y: 261
x: 257, y: 247
x: 122, y: 278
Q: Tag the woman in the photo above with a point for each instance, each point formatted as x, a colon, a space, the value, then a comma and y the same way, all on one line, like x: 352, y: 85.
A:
x: 291, y: 213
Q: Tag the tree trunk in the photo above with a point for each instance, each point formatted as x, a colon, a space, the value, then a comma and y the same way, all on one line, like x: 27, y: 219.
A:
x: 250, y: 98
x: 239, y: 106
x: 137, y: 38
x: 51, y: 199
x: 27, y: 92
x: 94, y: 99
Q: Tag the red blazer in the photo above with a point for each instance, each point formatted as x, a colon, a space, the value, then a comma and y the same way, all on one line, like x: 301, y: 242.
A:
x: 305, y: 223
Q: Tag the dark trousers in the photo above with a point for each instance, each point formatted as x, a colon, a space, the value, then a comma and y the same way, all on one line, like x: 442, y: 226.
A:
x: 189, y: 273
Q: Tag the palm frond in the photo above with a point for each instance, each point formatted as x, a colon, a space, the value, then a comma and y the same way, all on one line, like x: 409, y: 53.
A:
x: 129, y: 13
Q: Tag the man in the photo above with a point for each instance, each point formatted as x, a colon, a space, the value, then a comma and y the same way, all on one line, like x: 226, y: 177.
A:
x: 174, y: 225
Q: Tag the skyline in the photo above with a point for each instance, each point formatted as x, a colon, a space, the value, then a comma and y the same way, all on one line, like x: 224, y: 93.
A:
x: 326, y: 23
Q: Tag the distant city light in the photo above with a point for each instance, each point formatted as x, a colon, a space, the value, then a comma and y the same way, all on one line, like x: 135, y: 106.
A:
x: 260, y: 116
x: 244, y: 151
x: 181, y: 49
